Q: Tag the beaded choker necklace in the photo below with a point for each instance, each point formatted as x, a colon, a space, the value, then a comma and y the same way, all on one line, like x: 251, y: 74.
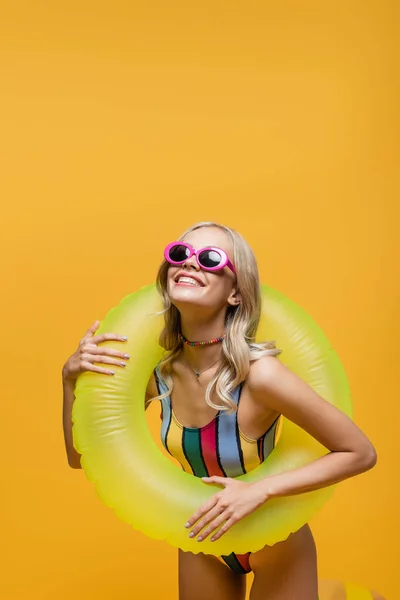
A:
x: 206, y: 343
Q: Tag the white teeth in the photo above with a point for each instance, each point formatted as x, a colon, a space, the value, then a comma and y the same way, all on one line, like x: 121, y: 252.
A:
x: 188, y: 280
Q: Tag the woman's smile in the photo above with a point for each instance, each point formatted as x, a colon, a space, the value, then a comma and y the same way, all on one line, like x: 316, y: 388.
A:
x: 188, y: 281
x: 188, y: 278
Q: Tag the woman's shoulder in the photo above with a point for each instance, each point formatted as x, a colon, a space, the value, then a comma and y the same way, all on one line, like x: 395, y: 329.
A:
x: 261, y: 371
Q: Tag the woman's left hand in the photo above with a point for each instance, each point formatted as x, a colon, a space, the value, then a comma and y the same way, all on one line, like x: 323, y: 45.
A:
x: 237, y: 500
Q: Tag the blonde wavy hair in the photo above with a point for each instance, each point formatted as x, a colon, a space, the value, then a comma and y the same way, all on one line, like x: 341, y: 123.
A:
x: 241, y: 322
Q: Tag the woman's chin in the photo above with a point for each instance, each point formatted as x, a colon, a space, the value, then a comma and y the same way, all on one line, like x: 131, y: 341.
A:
x: 185, y: 298
x: 186, y: 293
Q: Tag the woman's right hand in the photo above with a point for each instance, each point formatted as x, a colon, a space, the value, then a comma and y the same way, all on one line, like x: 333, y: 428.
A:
x: 88, y: 352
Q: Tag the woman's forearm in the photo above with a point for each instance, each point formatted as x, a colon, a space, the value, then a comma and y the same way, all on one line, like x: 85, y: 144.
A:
x: 325, y: 471
x: 68, y: 401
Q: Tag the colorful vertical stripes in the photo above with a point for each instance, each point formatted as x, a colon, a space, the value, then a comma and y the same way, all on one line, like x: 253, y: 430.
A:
x: 209, y: 444
x: 218, y: 448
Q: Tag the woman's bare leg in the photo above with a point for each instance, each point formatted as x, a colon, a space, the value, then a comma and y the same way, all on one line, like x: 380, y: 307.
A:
x: 287, y: 570
x: 203, y: 576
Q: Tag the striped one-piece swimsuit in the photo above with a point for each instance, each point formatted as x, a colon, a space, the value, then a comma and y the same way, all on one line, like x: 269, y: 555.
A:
x: 218, y: 448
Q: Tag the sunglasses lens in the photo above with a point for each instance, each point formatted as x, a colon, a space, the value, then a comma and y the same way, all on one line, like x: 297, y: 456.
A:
x: 179, y: 253
x: 210, y: 258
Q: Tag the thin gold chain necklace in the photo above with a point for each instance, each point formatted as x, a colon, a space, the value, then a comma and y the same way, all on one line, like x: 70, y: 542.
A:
x: 198, y: 373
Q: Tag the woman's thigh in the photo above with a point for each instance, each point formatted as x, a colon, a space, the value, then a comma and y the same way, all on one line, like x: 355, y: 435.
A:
x: 204, y: 576
x: 287, y: 570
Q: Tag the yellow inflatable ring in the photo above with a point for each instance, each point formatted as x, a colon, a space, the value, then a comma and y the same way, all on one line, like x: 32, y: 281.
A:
x: 141, y: 485
x: 338, y: 590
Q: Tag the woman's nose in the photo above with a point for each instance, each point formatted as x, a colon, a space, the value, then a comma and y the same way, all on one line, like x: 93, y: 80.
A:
x: 191, y: 262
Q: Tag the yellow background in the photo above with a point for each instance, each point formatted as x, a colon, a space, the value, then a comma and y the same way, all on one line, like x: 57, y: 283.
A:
x: 122, y: 123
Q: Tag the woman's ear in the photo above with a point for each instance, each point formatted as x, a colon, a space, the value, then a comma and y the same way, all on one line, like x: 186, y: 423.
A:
x: 234, y: 297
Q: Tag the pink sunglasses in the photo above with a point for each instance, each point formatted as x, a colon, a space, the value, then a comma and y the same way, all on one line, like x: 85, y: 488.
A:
x: 209, y: 258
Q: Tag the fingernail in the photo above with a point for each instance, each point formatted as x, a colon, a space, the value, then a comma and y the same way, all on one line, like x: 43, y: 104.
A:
x: 199, y: 538
x: 191, y: 534
x: 126, y: 356
x: 124, y: 338
x: 187, y: 525
x: 123, y: 364
x: 111, y: 372
x: 213, y: 539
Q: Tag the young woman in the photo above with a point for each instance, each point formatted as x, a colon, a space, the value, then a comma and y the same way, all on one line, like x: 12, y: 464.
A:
x: 228, y: 396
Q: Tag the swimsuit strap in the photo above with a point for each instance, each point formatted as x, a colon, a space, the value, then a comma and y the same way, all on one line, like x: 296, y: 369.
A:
x: 165, y: 403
